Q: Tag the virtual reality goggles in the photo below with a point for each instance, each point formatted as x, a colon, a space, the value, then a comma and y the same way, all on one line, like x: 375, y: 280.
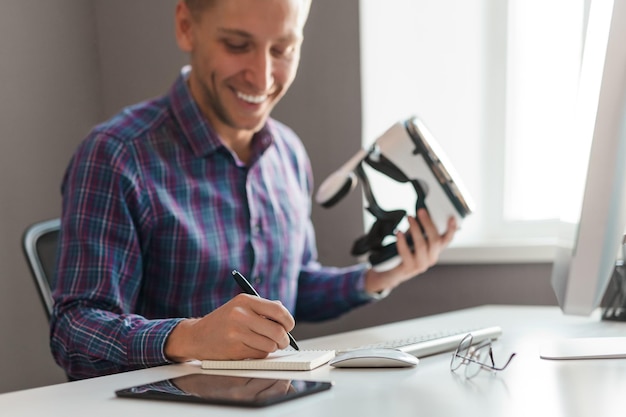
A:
x: 406, y: 153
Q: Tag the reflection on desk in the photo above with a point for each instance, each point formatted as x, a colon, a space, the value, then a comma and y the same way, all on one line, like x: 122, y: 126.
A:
x: 529, y: 386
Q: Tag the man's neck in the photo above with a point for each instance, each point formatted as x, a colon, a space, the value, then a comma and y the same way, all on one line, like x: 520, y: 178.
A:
x: 242, y: 147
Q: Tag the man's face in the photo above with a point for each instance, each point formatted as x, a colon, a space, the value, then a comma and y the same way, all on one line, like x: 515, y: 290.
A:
x: 244, y: 57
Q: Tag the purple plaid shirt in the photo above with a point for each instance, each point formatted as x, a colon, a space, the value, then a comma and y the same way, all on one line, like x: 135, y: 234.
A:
x: 156, y: 214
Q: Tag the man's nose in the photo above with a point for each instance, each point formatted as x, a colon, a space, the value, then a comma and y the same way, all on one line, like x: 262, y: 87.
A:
x: 260, y: 70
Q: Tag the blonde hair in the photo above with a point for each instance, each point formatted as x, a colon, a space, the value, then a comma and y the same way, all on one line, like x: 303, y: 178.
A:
x: 198, y: 6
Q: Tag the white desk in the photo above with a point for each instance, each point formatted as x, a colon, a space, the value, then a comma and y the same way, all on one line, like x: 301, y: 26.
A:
x: 529, y: 387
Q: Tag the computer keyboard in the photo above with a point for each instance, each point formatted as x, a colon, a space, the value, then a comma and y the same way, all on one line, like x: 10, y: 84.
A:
x: 433, y: 343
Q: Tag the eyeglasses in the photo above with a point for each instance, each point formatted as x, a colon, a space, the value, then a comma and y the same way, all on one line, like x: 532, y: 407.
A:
x: 475, y: 358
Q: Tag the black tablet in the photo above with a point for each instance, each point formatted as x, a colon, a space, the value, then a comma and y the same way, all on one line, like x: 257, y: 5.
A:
x: 225, y: 390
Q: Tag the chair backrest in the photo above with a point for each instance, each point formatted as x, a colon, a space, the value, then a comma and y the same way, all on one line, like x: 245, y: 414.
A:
x: 40, y: 242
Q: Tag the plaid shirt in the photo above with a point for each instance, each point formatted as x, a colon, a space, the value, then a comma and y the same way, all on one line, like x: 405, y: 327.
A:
x: 156, y: 214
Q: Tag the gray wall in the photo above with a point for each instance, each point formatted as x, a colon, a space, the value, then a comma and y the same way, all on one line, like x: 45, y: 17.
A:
x: 67, y: 64
x: 139, y: 57
x: 49, y: 98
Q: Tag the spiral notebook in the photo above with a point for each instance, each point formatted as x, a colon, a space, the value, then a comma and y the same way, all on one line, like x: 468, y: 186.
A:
x: 281, y: 360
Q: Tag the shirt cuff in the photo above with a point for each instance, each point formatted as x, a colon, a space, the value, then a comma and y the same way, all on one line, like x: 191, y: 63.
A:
x: 148, y: 343
x: 379, y: 295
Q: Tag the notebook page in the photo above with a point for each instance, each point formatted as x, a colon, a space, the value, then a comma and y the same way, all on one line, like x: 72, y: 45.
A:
x: 281, y: 360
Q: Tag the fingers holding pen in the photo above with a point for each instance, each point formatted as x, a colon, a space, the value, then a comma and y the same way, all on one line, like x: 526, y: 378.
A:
x: 272, y: 310
x: 245, y: 327
x: 264, y: 324
x: 249, y: 289
x: 272, y: 321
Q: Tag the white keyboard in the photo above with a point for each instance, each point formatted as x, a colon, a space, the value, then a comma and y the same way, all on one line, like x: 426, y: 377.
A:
x: 433, y: 343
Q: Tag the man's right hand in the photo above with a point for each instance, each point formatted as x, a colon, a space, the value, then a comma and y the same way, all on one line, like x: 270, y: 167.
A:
x: 245, y: 327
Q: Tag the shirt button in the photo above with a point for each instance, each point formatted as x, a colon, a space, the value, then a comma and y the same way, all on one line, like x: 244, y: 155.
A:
x: 256, y: 229
x: 257, y: 280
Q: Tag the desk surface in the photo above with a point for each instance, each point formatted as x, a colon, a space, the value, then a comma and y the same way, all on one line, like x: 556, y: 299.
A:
x: 529, y: 387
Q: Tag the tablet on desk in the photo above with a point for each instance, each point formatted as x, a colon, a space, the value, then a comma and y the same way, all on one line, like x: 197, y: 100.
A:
x: 225, y: 390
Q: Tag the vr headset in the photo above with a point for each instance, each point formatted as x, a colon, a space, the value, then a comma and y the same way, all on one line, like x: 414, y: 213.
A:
x: 406, y: 153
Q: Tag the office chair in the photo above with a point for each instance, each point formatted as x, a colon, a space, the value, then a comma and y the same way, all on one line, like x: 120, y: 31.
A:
x: 40, y: 245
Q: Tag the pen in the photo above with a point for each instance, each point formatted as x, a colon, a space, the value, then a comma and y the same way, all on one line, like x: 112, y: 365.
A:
x: 249, y: 289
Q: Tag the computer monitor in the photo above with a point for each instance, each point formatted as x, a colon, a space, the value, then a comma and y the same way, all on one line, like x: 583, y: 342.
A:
x: 582, y: 272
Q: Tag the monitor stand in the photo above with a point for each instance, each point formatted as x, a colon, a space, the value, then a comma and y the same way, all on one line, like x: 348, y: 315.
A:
x: 597, y: 347
x: 615, y: 298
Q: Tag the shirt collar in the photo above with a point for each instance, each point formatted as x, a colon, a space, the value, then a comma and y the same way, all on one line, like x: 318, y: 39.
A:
x: 197, y: 130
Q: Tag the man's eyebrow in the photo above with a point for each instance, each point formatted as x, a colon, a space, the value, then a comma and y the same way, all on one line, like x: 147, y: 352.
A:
x: 237, y: 32
x: 248, y: 35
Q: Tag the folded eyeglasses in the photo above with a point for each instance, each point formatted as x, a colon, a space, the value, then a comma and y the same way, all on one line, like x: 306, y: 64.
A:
x: 475, y: 357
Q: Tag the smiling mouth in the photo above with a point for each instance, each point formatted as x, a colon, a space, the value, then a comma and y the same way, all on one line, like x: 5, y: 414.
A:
x: 252, y: 98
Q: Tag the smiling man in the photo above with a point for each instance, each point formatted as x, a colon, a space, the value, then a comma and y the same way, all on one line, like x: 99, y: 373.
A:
x: 164, y: 200
x: 244, y: 58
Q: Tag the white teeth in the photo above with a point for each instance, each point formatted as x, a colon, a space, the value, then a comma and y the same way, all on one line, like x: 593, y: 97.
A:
x: 252, y: 99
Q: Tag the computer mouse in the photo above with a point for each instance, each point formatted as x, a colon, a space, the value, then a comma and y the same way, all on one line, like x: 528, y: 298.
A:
x: 374, y: 358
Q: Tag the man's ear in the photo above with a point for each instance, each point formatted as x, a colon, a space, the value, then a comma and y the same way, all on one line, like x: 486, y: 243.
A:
x: 183, y: 26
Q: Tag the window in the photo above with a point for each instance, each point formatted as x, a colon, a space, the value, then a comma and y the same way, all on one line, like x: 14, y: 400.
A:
x: 495, y: 82
x: 542, y: 76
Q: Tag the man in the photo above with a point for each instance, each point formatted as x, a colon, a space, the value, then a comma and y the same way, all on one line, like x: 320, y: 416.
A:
x: 161, y: 202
